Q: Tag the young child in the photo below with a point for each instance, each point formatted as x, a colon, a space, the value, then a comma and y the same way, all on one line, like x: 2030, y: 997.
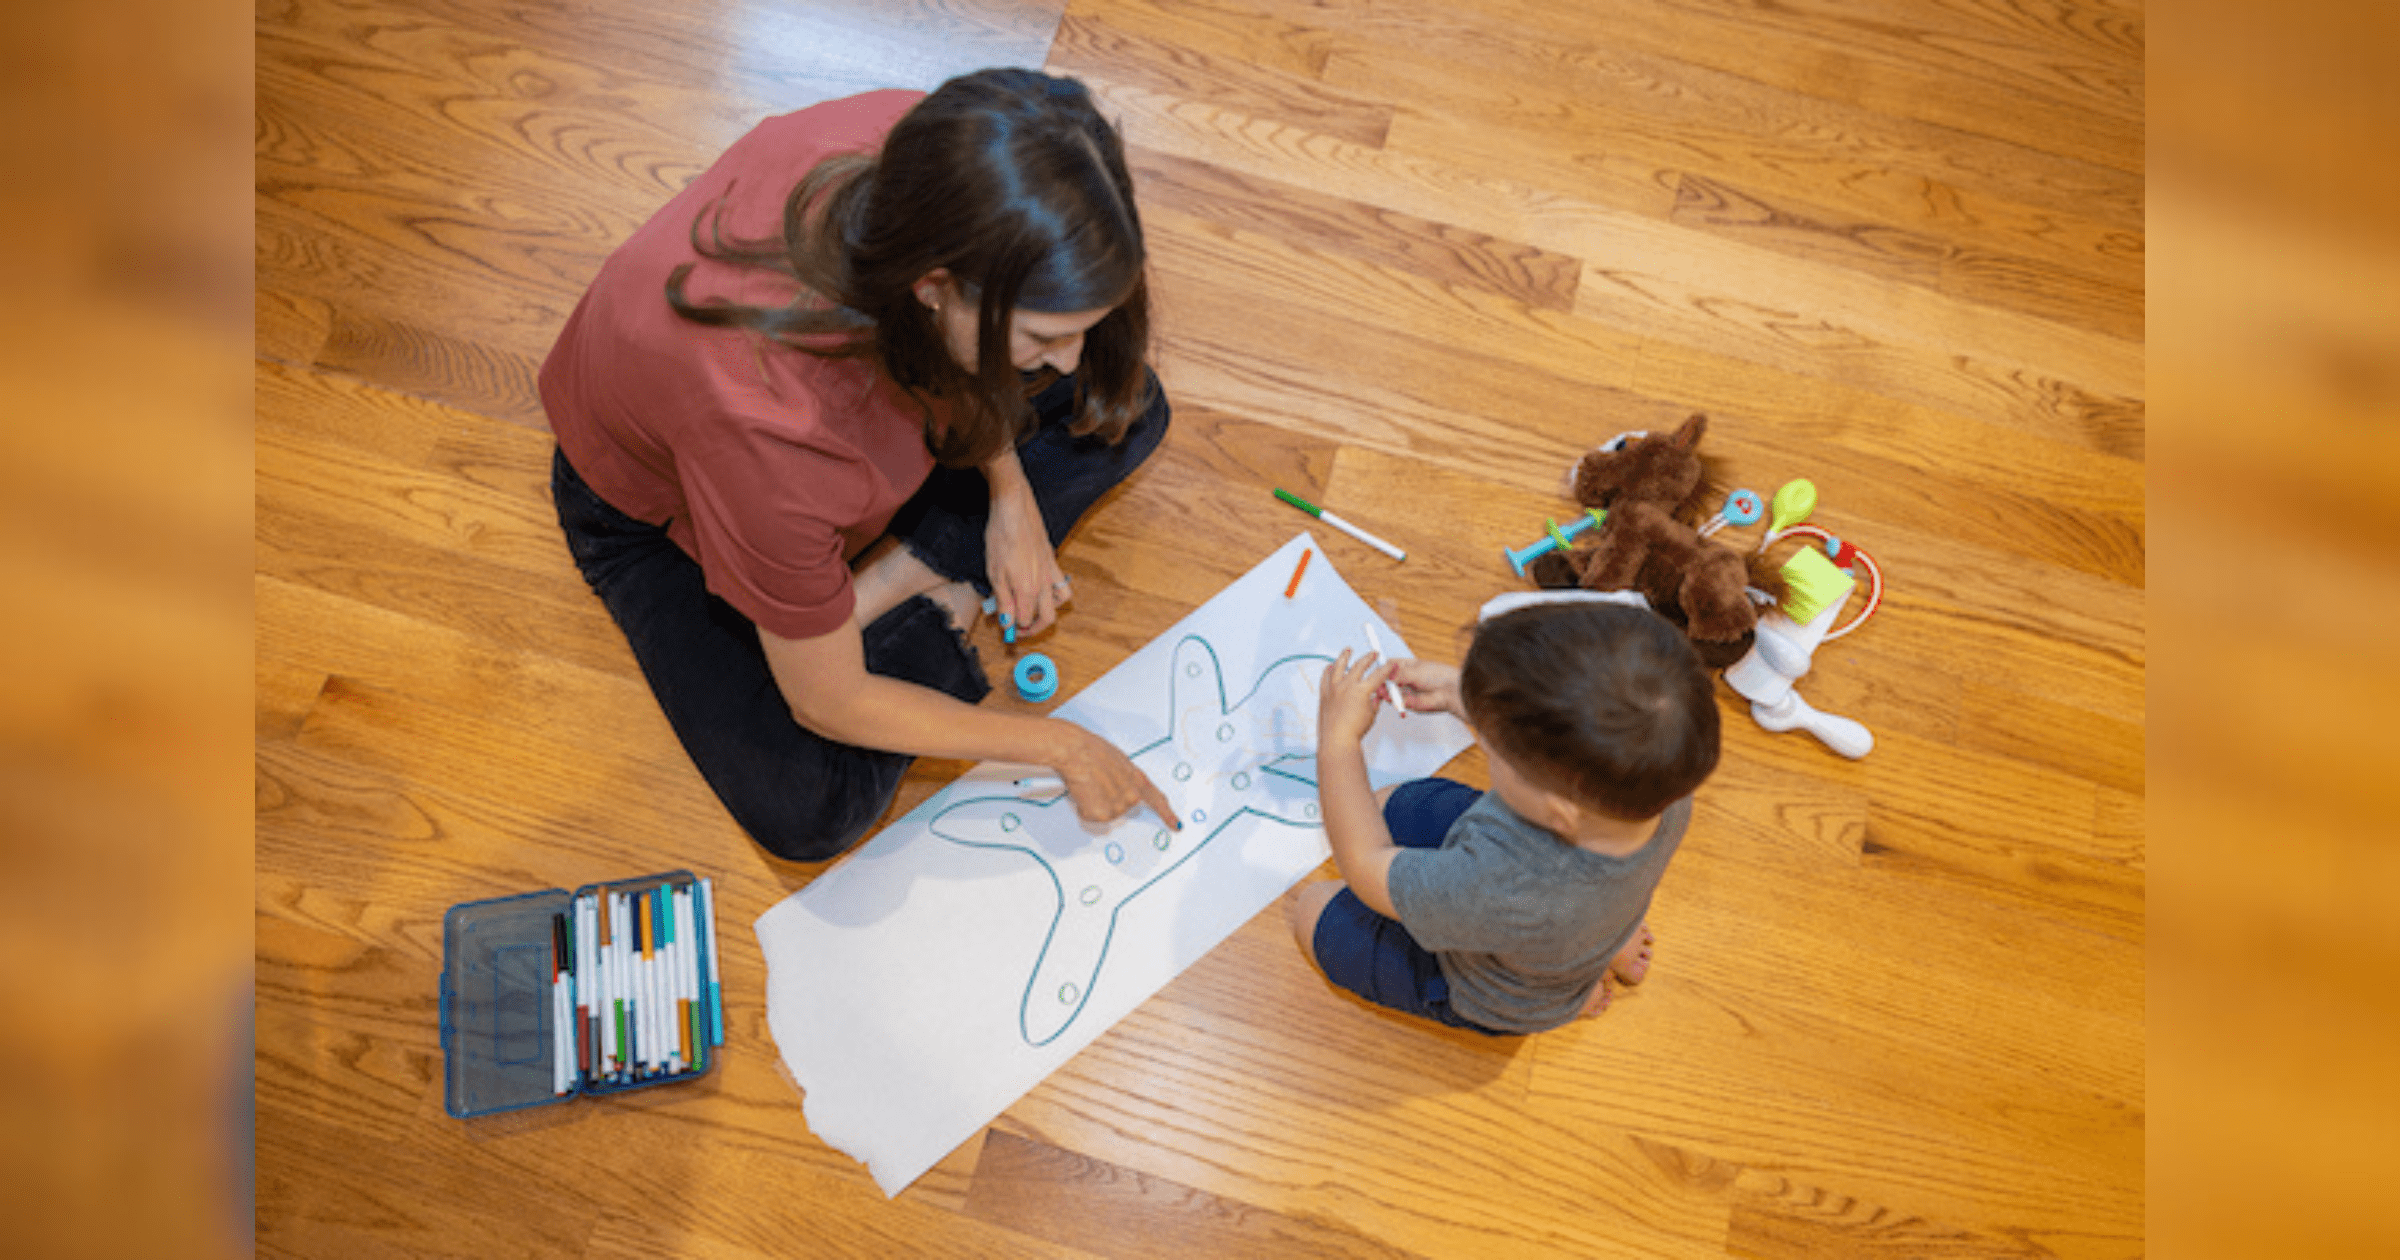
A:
x: 1508, y: 911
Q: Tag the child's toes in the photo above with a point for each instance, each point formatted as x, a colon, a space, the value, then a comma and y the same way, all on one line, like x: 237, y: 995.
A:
x: 1632, y: 963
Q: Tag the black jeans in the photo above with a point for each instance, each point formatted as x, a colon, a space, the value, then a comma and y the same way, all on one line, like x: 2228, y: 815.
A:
x: 799, y: 795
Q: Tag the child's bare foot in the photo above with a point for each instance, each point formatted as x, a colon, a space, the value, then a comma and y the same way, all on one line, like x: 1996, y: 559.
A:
x: 1632, y: 963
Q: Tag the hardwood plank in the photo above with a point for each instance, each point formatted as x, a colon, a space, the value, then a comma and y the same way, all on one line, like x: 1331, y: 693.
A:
x: 1305, y: 220
x: 1866, y: 79
x: 2099, y: 681
x: 1265, y: 93
x: 410, y: 507
x: 1971, y: 962
x: 2067, y: 291
x: 1803, y: 825
x: 289, y: 328
x: 1745, y: 316
x: 343, y: 1205
x: 1265, y: 36
x: 1775, y: 1216
x: 2028, y: 835
x: 818, y: 1216
x: 2058, y: 736
x: 2046, y: 292
x: 1837, y: 1225
x: 2012, y: 591
x: 2092, y: 65
x: 2121, y: 826
x: 2076, y: 470
x: 540, y: 609
x: 283, y: 695
x: 2037, y: 1149
x: 1880, y: 249
x: 1393, y: 389
x: 1066, y: 1198
x: 1680, y: 106
x: 409, y: 358
x: 308, y: 410
x: 1819, y: 320
x: 479, y: 760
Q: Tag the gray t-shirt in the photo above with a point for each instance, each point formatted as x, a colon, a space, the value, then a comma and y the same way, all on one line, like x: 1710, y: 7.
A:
x: 1524, y: 923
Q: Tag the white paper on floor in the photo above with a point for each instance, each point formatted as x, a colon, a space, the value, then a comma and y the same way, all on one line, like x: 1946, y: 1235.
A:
x: 946, y: 966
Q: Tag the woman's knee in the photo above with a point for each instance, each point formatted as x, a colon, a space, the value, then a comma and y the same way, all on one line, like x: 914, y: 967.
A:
x: 1150, y: 428
x: 797, y: 839
x: 811, y: 823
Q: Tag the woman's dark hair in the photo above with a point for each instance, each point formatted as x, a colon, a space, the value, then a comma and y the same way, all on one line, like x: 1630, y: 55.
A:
x: 1013, y: 182
x: 1604, y: 704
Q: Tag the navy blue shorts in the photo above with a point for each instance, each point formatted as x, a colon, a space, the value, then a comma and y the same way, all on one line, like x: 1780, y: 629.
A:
x: 1374, y: 957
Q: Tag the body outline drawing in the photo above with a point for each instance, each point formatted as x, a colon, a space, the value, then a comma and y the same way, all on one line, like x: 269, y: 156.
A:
x: 1003, y: 810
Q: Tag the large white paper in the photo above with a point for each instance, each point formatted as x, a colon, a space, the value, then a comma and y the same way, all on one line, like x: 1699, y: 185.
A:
x: 962, y: 954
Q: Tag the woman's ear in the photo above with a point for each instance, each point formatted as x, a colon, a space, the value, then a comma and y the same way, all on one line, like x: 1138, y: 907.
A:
x: 934, y: 288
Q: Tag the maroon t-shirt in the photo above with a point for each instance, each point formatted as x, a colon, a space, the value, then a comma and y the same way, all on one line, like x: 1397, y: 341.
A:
x: 772, y: 467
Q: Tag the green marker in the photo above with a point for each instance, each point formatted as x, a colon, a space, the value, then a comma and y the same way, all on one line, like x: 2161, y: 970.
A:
x: 1340, y: 524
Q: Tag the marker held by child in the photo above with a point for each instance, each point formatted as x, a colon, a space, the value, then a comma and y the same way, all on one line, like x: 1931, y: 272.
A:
x: 1391, y: 687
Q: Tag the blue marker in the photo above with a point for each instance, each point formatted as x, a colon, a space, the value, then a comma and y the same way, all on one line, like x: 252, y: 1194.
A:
x: 1008, y: 628
x: 716, y: 991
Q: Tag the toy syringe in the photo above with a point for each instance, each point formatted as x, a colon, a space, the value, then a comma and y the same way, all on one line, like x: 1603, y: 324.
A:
x: 1557, y: 540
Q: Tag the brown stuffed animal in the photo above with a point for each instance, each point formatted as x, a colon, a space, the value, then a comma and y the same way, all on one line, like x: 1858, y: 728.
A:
x: 1650, y: 488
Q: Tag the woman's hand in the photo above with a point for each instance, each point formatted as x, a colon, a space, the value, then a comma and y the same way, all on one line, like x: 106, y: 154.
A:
x: 1346, y: 703
x: 1106, y: 784
x: 1023, y: 570
x: 1429, y: 688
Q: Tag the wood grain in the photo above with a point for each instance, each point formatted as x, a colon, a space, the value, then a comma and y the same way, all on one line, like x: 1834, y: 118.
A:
x: 1047, y: 1192
x: 1407, y: 259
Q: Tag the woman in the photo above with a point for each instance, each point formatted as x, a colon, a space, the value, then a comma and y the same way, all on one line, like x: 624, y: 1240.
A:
x: 803, y: 428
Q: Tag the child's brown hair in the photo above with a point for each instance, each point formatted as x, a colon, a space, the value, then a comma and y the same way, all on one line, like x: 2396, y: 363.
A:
x: 1602, y: 703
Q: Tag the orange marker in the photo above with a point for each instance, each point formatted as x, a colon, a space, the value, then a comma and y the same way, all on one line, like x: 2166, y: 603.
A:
x: 1294, y: 585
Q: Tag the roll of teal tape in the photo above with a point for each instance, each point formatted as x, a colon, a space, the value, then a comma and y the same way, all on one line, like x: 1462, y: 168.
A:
x: 1037, y: 678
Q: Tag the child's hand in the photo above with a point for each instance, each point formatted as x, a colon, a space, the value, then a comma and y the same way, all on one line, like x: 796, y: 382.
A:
x: 1428, y: 687
x: 1346, y: 703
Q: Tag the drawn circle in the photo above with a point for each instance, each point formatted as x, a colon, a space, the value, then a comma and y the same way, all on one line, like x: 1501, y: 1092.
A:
x: 1161, y: 840
x: 1183, y: 771
x: 1225, y: 733
x: 1091, y: 895
x: 1010, y: 822
x: 1241, y: 782
x: 1116, y: 853
x: 1309, y: 809
x: 1191, y: 669
x: 1199, y: 815
x: 1067, y: 993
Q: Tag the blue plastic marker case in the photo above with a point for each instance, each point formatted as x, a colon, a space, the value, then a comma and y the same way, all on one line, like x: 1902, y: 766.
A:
x: 497, y: 1020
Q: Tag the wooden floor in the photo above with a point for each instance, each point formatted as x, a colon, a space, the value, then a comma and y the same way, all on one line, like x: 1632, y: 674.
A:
x: 1410, y: 257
